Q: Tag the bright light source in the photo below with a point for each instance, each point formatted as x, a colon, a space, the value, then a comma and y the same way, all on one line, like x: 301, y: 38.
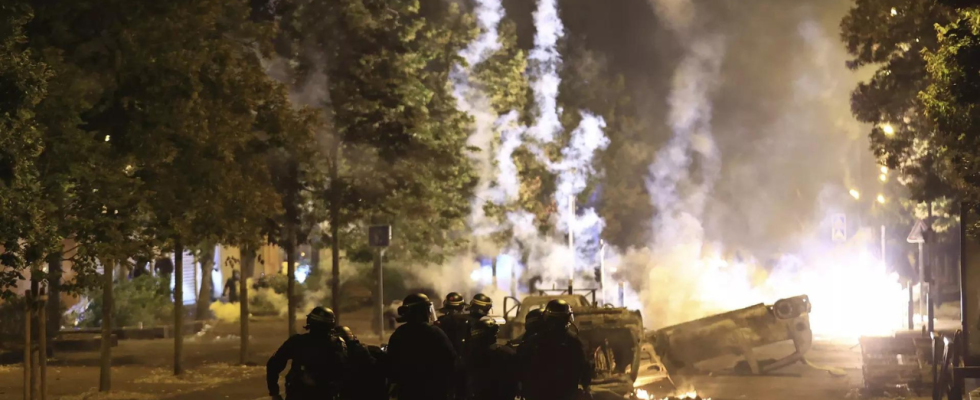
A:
x: 884, y: 170
x: 894, y: 11
x: 107, y: 138
x: 883, y: 178
x: 888, y: 129
x: 881, y: 199
x: 855, y: 194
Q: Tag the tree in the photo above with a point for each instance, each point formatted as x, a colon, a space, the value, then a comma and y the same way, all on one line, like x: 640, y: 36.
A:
x: 893, y: 36
x: 396, y: 146
x: 27, y: 234
x: 952, y: 99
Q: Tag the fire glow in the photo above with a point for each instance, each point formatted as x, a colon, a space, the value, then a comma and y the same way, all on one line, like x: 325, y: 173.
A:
x: 644, y: 395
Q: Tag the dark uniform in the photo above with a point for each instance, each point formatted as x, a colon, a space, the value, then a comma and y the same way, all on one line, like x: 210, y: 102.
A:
x: 491, y: 369
x: 456, y: 325
x: 453, y: 321
x: 361, y: 378
x: 318, y: 360
x: 553, y: 361
x: 421, y: 360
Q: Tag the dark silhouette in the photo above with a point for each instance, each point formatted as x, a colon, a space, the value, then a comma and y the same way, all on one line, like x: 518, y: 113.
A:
x: 319, y: 359
x: 490, y: 368
x: 364, y: 379
x: 553, y: 362
x: 421, y: 359
x: 231, y: 287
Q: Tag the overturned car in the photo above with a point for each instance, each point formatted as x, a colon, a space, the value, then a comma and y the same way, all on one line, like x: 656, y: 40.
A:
x: 738, y: 332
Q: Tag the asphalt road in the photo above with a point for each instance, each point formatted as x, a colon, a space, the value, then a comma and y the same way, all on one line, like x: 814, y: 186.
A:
x: 142, y: 371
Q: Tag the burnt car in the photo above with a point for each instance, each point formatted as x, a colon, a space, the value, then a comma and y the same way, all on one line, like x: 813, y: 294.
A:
x: 611, y: 336
x: 737, y: 332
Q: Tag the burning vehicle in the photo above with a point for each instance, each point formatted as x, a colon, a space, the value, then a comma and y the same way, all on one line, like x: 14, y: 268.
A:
x: 612, y: 337
x: 737, y: 332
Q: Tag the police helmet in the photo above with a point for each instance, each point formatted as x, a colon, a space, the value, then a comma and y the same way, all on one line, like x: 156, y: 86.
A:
x: 453, y: 302
x: 481, y: 305
x: 321, y: 317
x: 485, y: 326
x: 345, y: 333
x: 415, y: 305
x: 558, y: 313
x: 533, y: 319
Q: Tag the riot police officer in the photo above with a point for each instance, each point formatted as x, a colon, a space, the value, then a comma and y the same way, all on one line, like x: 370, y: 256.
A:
x: 421, y: 360
x: 453, y: 321
x: 532, y: 325
x: 318, y: 360
x: 490, y: 368
x: 480, y: 307
x: 363, y: 379
x: 553, y: 362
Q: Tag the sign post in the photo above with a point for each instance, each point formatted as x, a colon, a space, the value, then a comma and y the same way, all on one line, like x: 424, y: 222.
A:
x: 917, y: 235
x: 379, y: 237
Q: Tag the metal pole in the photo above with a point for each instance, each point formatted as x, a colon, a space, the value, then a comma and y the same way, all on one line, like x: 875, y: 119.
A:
x: 922, y: 282
x: 379, y: 294
x: 493, y: 270
x: 622, y: 294
x: 602, y: 271
x: 930, y: 307
x: 571, y: 240
x: 911, y: 308
x: 884, y: 259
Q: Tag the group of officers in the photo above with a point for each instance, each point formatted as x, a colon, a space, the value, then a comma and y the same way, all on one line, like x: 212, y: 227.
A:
x: 453, y: 357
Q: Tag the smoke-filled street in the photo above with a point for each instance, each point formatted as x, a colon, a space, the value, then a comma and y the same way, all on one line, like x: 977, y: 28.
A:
x: 489, y: 199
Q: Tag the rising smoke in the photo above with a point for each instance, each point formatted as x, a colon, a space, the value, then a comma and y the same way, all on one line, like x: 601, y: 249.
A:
x: 740, y: 192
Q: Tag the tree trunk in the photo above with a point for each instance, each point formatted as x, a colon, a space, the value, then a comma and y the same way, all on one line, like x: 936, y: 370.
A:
x: 28, y: 368
x: 105, y: 362
x: 248, y: 260
x: 178, y: 307
x: 335, y: 201
x: 42, y: 344
x: 207, y: 285
x: 315, y: 271
x: 291, y: 279
x: 54, y: 295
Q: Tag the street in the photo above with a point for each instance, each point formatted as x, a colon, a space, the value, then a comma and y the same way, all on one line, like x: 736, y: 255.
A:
x: 141, y: 370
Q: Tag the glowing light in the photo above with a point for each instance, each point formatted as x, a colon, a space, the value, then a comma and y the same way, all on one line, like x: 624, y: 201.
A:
x: 884, y: 169
x: 855, y: 194
x: 894, y: 11
x: 107, y: 138
x: 302, y: 273
x: 642, y: 394
x: 883, y: 178
x: 881, y: 198
x: 888, y: 129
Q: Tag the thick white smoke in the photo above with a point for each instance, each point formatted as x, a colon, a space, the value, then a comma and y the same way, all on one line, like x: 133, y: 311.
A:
x: 499, y: 182
x: 684, y: 275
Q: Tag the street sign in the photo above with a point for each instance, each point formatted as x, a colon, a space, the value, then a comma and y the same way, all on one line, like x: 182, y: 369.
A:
x: 838, y: 230
x: 379, y: 235
x: 918, y: 232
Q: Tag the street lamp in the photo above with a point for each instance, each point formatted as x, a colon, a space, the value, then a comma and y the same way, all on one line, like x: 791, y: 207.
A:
x: 855, y: 194
x: 888, y: 129
x: 883, y: 178
x: 884, y: 169
x: 881, y: 198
